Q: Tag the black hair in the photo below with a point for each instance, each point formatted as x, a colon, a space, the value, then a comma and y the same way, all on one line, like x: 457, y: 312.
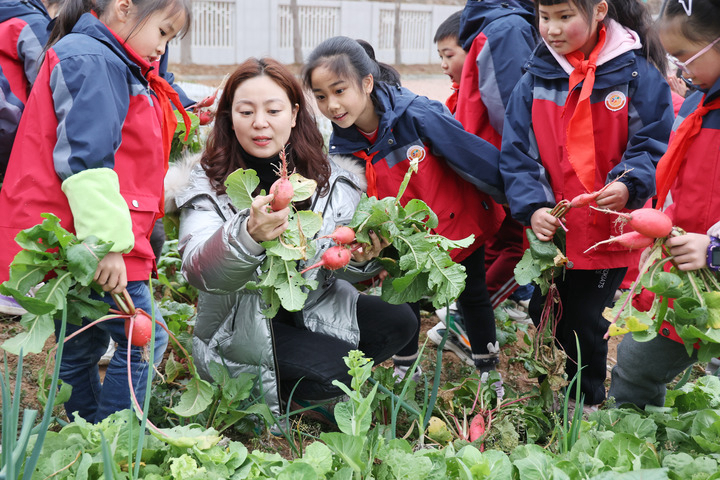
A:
x: 347, y: 59
x: 450, y: 28
x: 388, y: 74
x: 72, y: 10
x: 702, y: 25
x: 629, y: 13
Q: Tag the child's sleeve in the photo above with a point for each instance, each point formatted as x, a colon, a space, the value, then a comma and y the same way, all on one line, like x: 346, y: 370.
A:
x: 650, y: 119
x: 527, y: 186
x: 91, y: 100
x: 473, y: 158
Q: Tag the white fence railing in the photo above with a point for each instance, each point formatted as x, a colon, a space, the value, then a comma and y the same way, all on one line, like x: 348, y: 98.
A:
x: 226, y: 32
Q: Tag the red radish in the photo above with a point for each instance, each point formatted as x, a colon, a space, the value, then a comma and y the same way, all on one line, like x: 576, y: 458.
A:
x: 342, y: 235
x: 282, y: 189
x: 206, y: 102
x: 584, y: 199
x: 333, y: 259
x: 142, y: 328
x: 477, y: 427
x: 647, y: 221
x: 205, y: 117
x: 631, y: 240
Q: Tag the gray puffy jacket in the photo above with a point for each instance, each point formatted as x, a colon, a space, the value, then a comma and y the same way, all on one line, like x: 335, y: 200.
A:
x: 231, y: 327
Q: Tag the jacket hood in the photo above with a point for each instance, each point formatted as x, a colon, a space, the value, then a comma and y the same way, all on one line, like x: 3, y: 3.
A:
x: 479, y: 14
x: 15, y: 9
x: 391, y: 101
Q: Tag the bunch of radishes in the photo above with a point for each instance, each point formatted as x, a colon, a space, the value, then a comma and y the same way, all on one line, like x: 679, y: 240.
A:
x: 338, y: 256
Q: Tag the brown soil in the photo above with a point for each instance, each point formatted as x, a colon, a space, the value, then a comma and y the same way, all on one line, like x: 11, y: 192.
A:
x: 513, y: 372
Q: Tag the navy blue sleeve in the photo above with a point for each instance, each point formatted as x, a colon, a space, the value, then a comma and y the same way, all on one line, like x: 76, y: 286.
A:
x: 473, y: 158
x: 650, y: 120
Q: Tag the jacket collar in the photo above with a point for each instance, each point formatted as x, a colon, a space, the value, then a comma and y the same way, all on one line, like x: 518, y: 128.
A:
x: 479, y: 14
x: 543, y: 64
x: 91, y: 26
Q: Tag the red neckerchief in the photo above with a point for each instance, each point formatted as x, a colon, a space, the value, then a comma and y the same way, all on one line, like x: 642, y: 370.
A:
x: 370, y: 174
x: 580, y: 141
x: 166, y: 95
x: 669, y: 164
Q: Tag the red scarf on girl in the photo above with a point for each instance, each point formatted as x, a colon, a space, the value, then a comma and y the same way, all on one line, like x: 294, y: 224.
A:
x: 580, y: 141
x: 669, y: 164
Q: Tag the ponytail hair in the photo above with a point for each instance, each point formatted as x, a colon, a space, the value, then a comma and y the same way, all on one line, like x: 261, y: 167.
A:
x: 628, y: 13
x: 71, y: 11
x: 347, y: 59
x: 701, y: 25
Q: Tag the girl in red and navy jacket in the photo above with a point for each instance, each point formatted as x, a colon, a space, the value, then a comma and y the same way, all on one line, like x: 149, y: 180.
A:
x: 23, y: 34
x: 92, y: 148
x: 589, y: 108
x: 690, y: 172
x: 384, y: 126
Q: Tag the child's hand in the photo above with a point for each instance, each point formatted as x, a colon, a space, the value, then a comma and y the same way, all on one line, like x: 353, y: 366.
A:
x: 689, y: 250
x: 615, y: 197
x: 543, y: 224
x: 264, y: 224
x: 368, y: 252
x: 111, y: 273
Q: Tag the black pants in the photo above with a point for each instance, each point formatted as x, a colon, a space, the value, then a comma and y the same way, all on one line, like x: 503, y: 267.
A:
x: 474, y: 305
x: 584, y: 295
x: 317, y: 359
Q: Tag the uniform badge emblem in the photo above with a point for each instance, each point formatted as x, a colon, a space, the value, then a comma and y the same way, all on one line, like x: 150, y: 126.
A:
x: 615, y: 101
x: 416, y: 153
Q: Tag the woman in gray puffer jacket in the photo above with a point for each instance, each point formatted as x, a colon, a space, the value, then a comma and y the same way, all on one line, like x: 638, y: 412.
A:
x: 261, y: 112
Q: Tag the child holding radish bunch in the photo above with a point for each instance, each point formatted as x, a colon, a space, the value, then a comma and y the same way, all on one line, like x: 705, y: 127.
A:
x: 385, y: 127
x: 687, y: 180
x: 589, y: 110
x: 262, y: 122
x: 92, y: 148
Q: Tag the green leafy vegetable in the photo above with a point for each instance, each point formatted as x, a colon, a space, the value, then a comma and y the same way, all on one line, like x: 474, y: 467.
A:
x: 67, y: 266
x: 419, y: 262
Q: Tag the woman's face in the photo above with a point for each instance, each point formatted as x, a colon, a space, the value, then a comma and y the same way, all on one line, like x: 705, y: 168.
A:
x: 262, y: 116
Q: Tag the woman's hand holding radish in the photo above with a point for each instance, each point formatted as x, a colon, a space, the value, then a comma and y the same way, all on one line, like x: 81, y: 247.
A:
x: 614, y: 197
x: 265, y: 224
x: 689, y: 250
x: 368, y: 252
x: 111, y: 273
x: 544, y: 224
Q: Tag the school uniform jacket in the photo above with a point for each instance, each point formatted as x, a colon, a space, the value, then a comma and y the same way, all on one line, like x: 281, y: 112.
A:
x: 457, y: 173
x: 90, y: 108
x: 695, y: 194
x: 499, y: 37
x: 632, y: 118
x: 23, y: 34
